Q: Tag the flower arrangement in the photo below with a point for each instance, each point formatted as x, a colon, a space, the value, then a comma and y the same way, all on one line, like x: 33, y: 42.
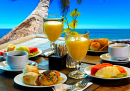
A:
x: 73, y: 23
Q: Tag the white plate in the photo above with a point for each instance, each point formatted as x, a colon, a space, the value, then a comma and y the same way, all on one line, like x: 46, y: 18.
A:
x: 40, y: 51
x: 19, y: 80
x: 88, y: 72
x: 4, y: 66
x: 108, y: 58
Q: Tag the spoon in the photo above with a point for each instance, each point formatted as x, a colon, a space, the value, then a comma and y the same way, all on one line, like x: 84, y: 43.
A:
x: 33, y: 63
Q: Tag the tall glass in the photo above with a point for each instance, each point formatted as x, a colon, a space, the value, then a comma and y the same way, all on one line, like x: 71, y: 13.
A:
x: 77, y: 46
x: 53, y: 27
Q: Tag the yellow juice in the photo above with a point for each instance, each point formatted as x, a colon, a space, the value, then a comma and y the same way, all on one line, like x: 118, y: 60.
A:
x: 53, y: 30
x: 77, y: 47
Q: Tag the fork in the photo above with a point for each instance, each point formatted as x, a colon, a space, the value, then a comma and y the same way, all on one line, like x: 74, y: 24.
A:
x: 79, y: 85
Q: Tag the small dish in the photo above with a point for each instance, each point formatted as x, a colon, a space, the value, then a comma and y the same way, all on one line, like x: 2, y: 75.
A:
x: 4, y: 66
x: 88, y: 72
x: 106, y: 57
x: 40, y: 52
x: 18, y: 79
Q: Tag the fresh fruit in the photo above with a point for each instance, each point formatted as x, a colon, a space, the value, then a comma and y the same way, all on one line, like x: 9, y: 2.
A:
x: 11, y: 47
x: 107, y: 72
x: 33, y: 54
x: 106, y: 64
x: 74, y: 33
x: 95, y: 46
x: 120, y: 75
x: 95, y: 68
x: 33, y: 49
x: 22, y: 48
x: 121, y: 69
x: 2, y: 51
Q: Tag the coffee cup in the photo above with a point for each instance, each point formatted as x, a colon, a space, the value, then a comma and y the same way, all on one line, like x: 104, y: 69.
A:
x: 17, y: 59
x: 119, y: 51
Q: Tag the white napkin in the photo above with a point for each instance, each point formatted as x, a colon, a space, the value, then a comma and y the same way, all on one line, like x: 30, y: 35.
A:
x: 65, y: 86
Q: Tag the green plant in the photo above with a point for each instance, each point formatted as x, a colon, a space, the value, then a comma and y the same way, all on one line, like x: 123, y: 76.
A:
x: 73, y: 23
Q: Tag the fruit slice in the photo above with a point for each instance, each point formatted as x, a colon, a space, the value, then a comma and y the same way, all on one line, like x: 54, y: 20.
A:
x: 11, y: 47
x: 33, y: 49
x: 121, y: 69
x: 95, y: 68
x: 95, y: 46
x: 74, y: 33
x: 121, y: 75
x: 106, y: 64
x: 107, y: 72
x: 2, y: 51
x: 22, y: 48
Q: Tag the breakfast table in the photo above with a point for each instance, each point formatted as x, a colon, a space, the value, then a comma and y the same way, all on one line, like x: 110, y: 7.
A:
x: 39, y: 40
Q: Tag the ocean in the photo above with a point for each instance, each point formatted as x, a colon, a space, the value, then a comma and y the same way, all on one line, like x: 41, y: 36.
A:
x: 111, y: 34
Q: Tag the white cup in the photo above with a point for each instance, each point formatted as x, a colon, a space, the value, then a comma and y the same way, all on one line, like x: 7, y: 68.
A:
x: 17, y: 59
x: 119, y: 51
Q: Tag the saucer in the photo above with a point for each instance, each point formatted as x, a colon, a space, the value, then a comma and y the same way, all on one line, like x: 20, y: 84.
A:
x: 4, y: 66
x: 106, y: 57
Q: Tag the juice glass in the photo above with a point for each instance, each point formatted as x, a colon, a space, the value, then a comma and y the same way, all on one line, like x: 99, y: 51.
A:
x: 52, y: 27
x: 77, y: 46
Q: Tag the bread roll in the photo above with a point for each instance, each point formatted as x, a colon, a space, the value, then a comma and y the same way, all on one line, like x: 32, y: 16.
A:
x: 103, y: 41
x: 30, y: 68
x: 95, y: 46
x: 49, y: 77
x: 31, y: 78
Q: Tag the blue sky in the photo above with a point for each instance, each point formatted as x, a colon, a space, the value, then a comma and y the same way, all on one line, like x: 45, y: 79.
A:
x: 95, y: 14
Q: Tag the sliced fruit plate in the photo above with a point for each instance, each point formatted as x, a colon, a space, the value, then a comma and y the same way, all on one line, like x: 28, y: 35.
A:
x: 32, y: 51
x: 108, y: 71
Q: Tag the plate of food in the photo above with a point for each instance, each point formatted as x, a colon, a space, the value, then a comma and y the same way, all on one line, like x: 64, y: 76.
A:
x: 98, y: 45
x: 108, y: 71
x: 32, y: 51
x: 32, y: 77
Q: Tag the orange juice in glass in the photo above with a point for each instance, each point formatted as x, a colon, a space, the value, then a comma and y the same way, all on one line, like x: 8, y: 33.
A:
x: 77, y: 46
x: 52, y: 27
x: 53, y: 30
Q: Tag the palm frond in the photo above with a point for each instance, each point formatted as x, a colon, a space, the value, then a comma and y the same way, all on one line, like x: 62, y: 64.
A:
x: 79, y: 1
x: 13, y: 0
x: 64, y: 6
x: 51, y: 1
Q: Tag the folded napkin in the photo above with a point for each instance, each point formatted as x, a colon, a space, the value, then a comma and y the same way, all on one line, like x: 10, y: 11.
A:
x: 63, y: 87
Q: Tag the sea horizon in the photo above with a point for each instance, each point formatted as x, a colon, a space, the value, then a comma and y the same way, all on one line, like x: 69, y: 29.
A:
x: 111, y: 34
